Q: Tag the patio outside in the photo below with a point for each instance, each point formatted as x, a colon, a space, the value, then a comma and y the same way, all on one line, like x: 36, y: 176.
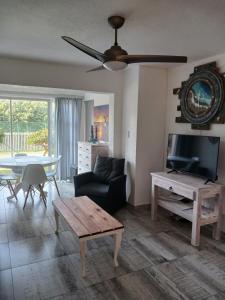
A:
x: 23, y: 127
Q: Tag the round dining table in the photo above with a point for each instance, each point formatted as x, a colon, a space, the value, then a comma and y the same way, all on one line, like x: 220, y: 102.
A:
x: 23, y: 161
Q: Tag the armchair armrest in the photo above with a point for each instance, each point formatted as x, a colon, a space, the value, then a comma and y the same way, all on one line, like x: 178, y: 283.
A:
x: 82, y: 179
x: 117, y: 188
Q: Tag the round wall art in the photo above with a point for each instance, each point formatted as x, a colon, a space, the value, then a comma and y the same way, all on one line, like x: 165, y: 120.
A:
x: 202, y: 96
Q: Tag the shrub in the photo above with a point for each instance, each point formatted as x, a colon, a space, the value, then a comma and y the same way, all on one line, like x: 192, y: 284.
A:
x: 39, y: 137
x: 1, y: 135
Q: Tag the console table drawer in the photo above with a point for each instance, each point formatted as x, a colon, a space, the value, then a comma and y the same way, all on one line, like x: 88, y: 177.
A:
x: 175, y: 188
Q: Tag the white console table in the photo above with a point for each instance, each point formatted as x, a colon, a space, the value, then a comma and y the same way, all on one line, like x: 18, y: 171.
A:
x: 194, y: 189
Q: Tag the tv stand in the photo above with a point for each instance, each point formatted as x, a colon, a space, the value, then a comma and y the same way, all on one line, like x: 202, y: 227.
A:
x: 194, y: 189
x: 209, y: 180
x: 172, y: 171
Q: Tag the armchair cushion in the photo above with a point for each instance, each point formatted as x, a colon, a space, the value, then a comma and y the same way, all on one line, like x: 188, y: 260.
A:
x: 106, y: 185
x: 117, y: 168
x: 103, y: 168
x: 94, y: 188
x: 107, y: 168
x: 82, y: 179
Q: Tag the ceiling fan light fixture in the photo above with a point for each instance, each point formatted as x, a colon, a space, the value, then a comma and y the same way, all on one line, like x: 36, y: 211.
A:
x: 116, y: 58
x: 115, y: 65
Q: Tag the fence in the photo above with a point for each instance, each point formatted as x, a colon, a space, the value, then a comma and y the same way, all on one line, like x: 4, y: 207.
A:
x: 19, y: 142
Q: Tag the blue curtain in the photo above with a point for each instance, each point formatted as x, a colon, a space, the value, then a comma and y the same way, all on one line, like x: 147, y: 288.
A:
x: 68, y: 125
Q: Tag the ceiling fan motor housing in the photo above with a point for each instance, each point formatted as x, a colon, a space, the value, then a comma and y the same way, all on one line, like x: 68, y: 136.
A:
x: 114, y: 51
x: 116, y: 21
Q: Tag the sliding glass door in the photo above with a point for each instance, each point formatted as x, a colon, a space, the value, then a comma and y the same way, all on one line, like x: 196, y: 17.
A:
x: 24, y: 127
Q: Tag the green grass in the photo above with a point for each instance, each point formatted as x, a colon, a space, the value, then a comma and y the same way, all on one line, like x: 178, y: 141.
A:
x: 34, y: 153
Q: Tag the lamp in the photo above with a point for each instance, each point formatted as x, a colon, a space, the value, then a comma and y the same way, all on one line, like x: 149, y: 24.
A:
x: 114, y: 65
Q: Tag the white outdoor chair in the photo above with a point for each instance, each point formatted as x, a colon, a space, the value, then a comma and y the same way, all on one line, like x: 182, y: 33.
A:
x: 34, y: 177
x: 5, y: 181
x: 52, y: 173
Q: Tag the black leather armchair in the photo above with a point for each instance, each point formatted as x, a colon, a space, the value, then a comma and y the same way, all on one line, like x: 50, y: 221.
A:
x: 106, y: 185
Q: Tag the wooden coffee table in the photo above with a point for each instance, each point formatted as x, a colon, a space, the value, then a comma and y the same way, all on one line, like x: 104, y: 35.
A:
x: 88, y: 221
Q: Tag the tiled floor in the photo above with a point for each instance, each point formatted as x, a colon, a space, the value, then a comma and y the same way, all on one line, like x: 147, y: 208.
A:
x: 156, y: 259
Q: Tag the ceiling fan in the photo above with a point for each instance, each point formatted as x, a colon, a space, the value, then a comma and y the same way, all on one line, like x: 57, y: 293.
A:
x: 116, y: 58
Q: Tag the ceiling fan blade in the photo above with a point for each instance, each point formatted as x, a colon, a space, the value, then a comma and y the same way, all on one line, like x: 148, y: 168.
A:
x: 89, y: 51
x: 130, y: 59
x: 96, y: 69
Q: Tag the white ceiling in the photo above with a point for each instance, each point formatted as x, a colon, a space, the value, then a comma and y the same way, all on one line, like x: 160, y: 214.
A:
x: 32, y: 29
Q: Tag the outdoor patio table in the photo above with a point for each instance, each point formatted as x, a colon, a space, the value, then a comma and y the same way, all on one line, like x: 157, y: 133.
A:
x: 22, y: 162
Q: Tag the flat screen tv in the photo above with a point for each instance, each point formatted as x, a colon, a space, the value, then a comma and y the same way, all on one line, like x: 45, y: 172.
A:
x: 193, y: 154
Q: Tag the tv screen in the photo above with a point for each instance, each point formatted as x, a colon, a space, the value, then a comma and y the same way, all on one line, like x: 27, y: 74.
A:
x: 193, y: 154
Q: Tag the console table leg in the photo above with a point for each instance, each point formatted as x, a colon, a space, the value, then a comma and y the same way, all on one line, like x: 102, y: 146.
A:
x: 82, y: 256
x: 216, y: 231
x: 196, y: 226
x: 218, y: 211
x: 154, y: 202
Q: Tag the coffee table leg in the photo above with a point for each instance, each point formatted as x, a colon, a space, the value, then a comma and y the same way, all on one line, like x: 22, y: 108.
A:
x: 57, y: 222
x: 82, y: 256
x: 118, y: 239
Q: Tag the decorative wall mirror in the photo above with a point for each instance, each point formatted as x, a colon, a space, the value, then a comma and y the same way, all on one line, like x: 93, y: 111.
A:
x: 202, y: 97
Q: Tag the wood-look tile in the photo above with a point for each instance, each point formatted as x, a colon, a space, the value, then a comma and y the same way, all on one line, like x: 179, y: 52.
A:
x: 155, y: 258
x: 53, y: 245
x: 6, y: 286
x: 2, y: 200
x: 3, y: 233
x: 95, y: 292
x: 35, y: 249
x: 100, y: 265
x: 208, y: 265
x: 154, y: 249
x: 62, y: 225
x: 179, y: 282
x: 27, y: 229
x: 71, y: 245
x: 217, y: 297
x: 2, y: 216
x: 106, y: 241
x: 69, y: 242
x: 136, y: 285
x: 132, y: 286
x: 18, y: 214
x: 5, y: 262
x: 213, y: 245
x: 175, y: 243
x: 46, y: 279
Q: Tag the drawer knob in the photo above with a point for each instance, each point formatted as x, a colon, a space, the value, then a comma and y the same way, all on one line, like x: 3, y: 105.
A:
x: 170, y: 188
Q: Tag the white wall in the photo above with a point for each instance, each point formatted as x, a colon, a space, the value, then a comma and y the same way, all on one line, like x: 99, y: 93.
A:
x: 129, y: 123
x: 145, y: 91
x: 150, y: 129
x: 175, y: 77
x: 33, y: 73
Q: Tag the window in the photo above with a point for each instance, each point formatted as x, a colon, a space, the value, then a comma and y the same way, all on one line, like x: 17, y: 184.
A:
x: 23, y: 127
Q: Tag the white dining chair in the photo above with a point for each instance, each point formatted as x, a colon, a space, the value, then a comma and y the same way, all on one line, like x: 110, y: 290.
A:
x: 6, y: 181
x: 34, y: 177
x: 52, y: 173
x: 18, y: 171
